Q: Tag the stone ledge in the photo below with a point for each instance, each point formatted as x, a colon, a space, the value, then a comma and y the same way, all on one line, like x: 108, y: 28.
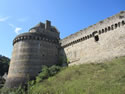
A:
x: 35, y: 36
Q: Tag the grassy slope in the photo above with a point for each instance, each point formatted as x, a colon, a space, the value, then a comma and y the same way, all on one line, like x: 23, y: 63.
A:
x: 103, y: 78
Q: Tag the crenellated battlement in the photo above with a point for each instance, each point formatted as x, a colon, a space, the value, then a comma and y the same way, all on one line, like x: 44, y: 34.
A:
x: 35, y: 36
x: 42, y: 46
x: 101, y: 27
x: 31, y: 50
x: 101, y: 31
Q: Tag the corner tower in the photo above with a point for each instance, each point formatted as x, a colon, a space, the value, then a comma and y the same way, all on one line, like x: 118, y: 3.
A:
x: 31, y: 51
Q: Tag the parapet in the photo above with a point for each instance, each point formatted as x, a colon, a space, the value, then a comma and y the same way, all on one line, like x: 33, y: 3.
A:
x: 41, y: 27
x: 41, y: 31
x: 46, y: 29
x: 100, y: 27
x: 30, y: 52
x: 35, y: 36
x: 47, y: 25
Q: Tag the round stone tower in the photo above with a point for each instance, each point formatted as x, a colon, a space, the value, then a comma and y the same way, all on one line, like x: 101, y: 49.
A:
x: 31, y: 51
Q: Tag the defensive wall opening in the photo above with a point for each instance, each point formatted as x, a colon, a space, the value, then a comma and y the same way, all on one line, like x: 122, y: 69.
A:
x: 95, y: 34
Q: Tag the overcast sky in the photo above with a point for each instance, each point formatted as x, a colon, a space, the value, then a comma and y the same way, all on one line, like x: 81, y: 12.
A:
x: 69, y: 16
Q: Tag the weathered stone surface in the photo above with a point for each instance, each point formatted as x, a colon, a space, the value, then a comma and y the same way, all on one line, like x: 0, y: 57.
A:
x: 41, y: 46
x: 31, y: 51
x: 101, y: 41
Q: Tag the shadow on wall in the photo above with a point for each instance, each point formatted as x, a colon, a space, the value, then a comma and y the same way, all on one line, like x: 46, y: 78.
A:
x: 63, y: 60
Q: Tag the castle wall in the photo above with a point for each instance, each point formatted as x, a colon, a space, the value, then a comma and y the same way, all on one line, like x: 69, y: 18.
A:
x: 99, y: 42
x: 102, y: 41
x: 30, y: 53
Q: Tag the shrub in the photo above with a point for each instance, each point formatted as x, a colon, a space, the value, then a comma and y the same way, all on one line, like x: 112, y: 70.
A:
x: 54, y: 70
x: 43, y: 75
x: 47, y: 72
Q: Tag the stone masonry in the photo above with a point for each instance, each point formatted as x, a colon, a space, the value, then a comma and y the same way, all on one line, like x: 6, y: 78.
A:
x: 99, y: 42
x: 31, y: 51
x: 42, y: 46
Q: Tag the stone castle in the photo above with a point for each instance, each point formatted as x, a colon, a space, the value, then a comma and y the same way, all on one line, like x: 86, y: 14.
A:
x: 42, y: 46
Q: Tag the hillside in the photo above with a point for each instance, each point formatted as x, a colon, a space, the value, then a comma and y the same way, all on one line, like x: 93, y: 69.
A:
x: 4, y: 65
x: 100, y: 78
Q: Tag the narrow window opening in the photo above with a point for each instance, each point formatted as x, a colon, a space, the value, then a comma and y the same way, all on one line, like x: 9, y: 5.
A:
x: 81, y: 39
x: 94, y: 33
x: 90, y: 35
x: 99, y: 31
x: 108, y: 28
x: 96, y: 38
x: 105, y: 29
x: 116, y: 26
x: 120, y: 17
x: 102, y: 30
x: 123, y: 22
x: 112, y: 27
x: 87, y: 36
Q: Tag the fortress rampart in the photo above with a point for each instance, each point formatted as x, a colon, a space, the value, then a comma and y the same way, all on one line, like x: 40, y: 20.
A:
x: 98, y: 42
x: 31, y: 51
x: 101, y: 27
x: 42, y: 46
x: 35, y: 36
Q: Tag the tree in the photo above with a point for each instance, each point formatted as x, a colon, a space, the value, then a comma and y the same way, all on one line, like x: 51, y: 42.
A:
x: 4, y: 65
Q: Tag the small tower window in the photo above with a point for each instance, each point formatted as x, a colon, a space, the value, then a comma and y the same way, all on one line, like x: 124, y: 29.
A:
x: 96, y: 38
x: 112, y: 27
x: 99, y: 31
x: 90, y: 35
x: 109, y: 28
x: 116, y: 25
x: 102, y: 30
x: 83, y: 38
x: 87, y: 36
x: 123, y: 22
x: 105, y: 29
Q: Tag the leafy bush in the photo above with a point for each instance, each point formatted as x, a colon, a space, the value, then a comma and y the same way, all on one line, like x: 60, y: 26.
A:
x: 43, y: 75
x: 13, y: 91
x: 47, y: 72
x: 54, y: 70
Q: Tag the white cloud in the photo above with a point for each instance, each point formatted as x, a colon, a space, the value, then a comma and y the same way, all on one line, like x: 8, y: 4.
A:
x: 17, y: 29
x: 3, y: 19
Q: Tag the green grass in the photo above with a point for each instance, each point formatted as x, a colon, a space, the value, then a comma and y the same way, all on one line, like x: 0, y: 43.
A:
x: 101, y: 78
